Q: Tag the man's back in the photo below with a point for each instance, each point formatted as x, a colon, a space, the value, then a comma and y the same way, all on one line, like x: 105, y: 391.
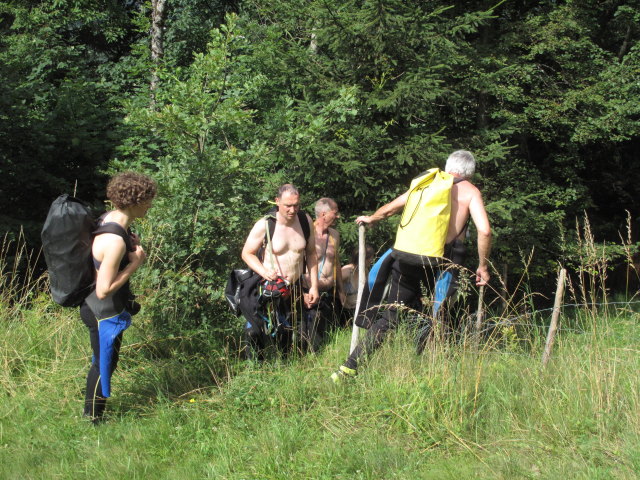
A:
x: 466, y: 200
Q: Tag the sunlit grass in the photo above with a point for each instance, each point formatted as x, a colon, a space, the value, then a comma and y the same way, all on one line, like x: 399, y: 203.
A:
x: 449, y: 413
x: 462, y: 409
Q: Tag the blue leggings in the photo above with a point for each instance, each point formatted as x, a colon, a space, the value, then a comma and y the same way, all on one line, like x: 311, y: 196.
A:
x: 95, y: 402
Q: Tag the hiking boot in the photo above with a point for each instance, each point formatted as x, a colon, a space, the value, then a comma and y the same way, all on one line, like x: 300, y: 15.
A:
x: 343, y: 372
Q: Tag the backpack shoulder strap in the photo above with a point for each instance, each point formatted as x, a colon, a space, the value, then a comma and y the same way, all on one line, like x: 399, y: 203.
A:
x: 116, y: 229
x: 304, y: 223
x: 270, y: 220
x: 271, y: 224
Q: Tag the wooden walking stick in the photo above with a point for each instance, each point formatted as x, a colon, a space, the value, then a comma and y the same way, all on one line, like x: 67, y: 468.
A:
x: 362, y: 279
x: 479, y: 317
x: 553, y: 327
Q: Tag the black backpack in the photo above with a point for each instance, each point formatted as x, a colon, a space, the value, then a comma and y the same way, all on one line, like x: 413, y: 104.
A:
x: 67, y: 237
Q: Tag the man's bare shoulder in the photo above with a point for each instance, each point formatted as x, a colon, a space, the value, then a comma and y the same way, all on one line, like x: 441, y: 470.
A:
x: 309, y: 219
x: 466, y: 189
x: 259, y: 228
x: 467, y: 185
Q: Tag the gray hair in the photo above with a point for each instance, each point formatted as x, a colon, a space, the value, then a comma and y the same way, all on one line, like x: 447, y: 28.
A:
x: 462, y: 163
x: 325, y: 204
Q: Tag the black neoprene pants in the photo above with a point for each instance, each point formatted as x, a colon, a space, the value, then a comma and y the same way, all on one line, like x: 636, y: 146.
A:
x: 406, y: 280
x: 95, y: 402
x: 317, y: 321
x: 284, y: 315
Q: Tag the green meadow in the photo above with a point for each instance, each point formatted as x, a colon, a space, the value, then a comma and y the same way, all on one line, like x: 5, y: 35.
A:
x: 454, y: 412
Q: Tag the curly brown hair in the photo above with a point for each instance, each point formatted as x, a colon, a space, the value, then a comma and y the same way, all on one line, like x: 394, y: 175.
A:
x: 127, y: 189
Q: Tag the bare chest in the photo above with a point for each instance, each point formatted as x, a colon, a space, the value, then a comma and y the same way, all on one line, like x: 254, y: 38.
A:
x: 325, y: 247
x: 287, y: 239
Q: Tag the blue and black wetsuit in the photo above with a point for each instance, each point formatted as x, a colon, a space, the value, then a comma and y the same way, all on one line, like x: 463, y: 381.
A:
x: 270, y: 322
x: 405, y: 288
x: 106, y: 320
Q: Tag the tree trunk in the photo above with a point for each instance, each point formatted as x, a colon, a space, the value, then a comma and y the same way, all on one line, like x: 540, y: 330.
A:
x: 625, y: 44
x: 157, y: 50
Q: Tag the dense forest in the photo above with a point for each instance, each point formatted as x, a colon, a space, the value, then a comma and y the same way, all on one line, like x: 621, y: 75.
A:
x: 222, y: 101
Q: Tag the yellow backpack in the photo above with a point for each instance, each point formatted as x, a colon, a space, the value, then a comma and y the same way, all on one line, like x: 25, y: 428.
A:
x: 422, y: 232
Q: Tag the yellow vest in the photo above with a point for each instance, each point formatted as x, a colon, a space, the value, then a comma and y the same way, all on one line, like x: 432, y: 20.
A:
x: 425, y: 218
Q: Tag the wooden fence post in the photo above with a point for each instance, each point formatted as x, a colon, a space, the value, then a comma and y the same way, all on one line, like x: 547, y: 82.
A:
x: 505, y: 289
x: 553, y: 327
x: 362, y: 279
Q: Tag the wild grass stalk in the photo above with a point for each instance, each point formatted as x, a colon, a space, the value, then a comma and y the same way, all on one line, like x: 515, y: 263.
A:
x: 627, y: 246
x: 592, y: 269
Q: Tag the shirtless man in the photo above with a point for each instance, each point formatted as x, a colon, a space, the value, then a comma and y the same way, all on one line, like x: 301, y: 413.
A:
x: 466, y: 200
x: 317, y: 319
x: 284, y: 258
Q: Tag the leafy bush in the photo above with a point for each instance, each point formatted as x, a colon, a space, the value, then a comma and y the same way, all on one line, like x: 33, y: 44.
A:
x: 214, y: 182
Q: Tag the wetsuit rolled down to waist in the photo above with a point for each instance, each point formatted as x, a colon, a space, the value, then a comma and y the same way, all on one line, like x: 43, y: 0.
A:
x: 112, y: 318
x: 106, y: 320
x: 269, y: 320
x: 375, y: 289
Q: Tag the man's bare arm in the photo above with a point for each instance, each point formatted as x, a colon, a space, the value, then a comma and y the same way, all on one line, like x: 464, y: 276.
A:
x: 250, y: 251
x: 481, y: 221
x: 338, y: 272
x: 385, y: 211
x: 312, y: 266
x: 338, y: 266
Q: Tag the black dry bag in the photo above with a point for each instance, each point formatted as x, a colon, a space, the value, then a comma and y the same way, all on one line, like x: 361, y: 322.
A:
x: 238, y: 285
x: 67, y: 236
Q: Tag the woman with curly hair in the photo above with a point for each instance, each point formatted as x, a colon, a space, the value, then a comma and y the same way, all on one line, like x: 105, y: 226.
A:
x: 117, y: 254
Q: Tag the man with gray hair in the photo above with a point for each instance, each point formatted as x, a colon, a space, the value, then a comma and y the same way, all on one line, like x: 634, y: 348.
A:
x: 407, y: 277
x: 319, y: 318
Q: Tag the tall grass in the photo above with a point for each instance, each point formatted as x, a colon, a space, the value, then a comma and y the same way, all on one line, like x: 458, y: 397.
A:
x: 17, y: 266
x: 454, y: 412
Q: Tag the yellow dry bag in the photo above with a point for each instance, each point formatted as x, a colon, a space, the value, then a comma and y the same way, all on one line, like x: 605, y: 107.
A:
x: 423, y: 227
